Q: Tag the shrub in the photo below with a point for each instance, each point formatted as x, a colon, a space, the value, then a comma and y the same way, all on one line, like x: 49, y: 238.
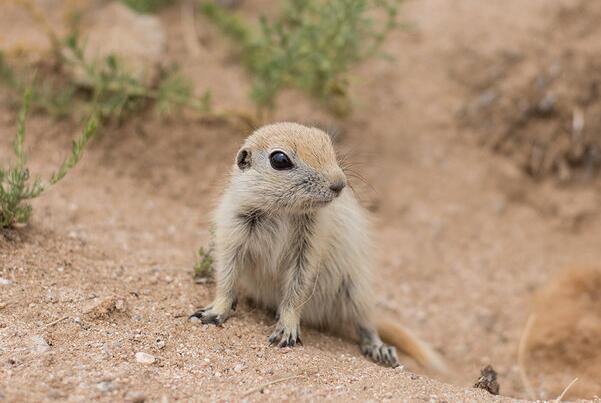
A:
x: 110, y: 92
x: 204, y: 265
x: 311, y: 45
x: 146, y: 6
x: 16, y: 186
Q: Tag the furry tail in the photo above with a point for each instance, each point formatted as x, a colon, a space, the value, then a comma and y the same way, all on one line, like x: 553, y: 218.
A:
x: 404, y: 340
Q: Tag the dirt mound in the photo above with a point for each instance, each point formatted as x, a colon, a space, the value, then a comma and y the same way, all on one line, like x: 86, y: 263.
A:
x: 543, y: 108
x: 564, y: 342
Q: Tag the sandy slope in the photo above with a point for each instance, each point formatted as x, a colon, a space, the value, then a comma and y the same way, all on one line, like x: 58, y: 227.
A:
x: 464, y: 238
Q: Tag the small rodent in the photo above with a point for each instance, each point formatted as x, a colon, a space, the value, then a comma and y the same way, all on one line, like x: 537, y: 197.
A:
x: 290, y: 235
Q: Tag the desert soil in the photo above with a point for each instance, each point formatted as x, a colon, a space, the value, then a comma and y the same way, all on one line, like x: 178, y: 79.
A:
x: 465, y: 238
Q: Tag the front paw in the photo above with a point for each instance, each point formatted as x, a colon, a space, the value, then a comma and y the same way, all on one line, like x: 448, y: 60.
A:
x: 285, y: 335
x: 212, y: 315
x: 381, y: 354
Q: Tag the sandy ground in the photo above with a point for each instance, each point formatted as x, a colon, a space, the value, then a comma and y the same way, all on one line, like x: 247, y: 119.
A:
x: 104, y: 270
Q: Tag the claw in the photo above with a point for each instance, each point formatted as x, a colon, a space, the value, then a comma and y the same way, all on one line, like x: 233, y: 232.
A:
x: 207, y: 317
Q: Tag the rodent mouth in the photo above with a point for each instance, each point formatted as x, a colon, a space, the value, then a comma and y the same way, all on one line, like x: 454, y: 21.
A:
x: 321, y: 202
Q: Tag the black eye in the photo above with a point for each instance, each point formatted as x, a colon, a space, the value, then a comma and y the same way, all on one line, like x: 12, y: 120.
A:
x: 280, y: 161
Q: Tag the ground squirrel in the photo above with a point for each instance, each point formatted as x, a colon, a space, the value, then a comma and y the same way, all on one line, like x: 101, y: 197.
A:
x: 294, y: 239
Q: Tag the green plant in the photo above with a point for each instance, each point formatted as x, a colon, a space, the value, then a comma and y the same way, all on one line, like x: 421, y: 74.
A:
x: 146, y: 6
x: 311, y: 45
x: 115, y: 92
x: 204, y: 264
x: 15, y: 185
x: 49, y: 94
x: 108, y: 90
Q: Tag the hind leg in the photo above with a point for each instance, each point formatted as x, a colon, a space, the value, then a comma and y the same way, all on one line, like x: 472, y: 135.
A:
x: 373, y: 347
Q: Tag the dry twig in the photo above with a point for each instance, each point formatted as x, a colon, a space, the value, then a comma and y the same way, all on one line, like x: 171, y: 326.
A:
x: 263, y: 386
x: 560, y: 397
x: 522, y: 357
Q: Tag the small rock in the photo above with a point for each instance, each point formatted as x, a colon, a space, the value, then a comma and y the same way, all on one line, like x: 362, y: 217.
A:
x: 135, y: 397
x: 194, y: 319
x: 488, y: 380
x: 5, y: 281
x: 104, y: 386
x: 105, y: 308
x: 546, y: 105
x: 239, y: 368
x: 160, y: 344
x: 144, y: 358
x: 39, y: 344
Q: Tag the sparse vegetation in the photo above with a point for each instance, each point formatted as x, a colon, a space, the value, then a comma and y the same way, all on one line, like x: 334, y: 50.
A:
x: 110, y: 91
x: 311, y: 46
x: 146, y: 6
x: 16, y: 186
x: 204, y: 264
x: 115, y: 92
x: 49, y: 93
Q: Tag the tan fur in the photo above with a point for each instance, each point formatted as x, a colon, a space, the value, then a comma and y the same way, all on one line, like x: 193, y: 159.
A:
x: 285, y: 239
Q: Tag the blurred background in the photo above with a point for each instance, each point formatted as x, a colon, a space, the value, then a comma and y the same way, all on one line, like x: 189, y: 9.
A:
x: 473, y: 128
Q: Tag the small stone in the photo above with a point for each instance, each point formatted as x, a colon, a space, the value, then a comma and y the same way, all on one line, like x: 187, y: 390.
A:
x: 104, y: 386
x: 160, y: 344
x: 120, y: 305
x: 39, y: 344
x: 546, y: 105
x: 5, y: 281
x: 168, y: 279
x: 144, y: 358
x: 105, y: 308
x: 135, y: 397
x: 488, y: 380
x: 239, y: 368
x: 194, y: 319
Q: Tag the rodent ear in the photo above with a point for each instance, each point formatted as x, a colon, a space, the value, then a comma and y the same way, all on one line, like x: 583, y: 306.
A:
x: 243, y: 159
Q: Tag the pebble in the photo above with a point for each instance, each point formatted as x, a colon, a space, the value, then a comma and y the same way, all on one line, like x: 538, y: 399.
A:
x: 238, y: 368
x: 194, y: 319
x: 39, y: 344
x: 144, y: 358
x: 5, y: 281
x: 135, y: 397
x: 104, y: 386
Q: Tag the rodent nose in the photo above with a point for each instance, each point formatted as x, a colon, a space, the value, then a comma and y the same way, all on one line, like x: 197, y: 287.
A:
x: 337, y: 186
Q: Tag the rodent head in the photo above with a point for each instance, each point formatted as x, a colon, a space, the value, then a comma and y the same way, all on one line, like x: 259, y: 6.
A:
x: 288, y: 166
